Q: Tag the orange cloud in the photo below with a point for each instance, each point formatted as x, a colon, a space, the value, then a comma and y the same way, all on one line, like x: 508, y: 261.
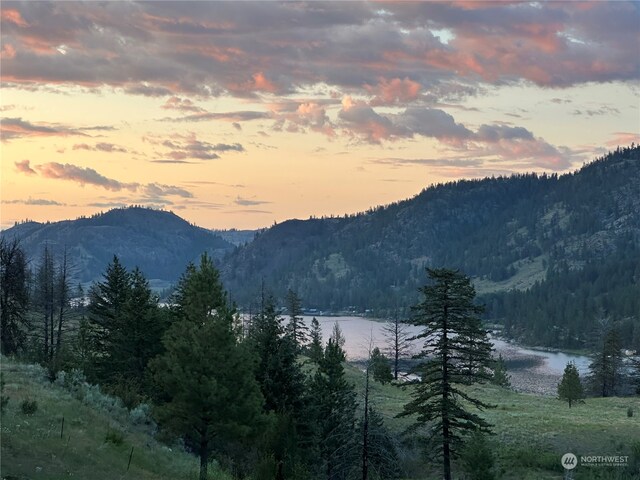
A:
x: 396, y: 90
x: 13, y: 16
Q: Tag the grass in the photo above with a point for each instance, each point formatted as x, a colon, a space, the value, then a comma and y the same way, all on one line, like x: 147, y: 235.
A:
x: 532, y: 432
x: 94, y: 445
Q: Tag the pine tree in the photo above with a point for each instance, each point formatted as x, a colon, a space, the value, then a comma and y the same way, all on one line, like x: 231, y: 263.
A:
x: 14, y: 297
x: 107, y: 317
x: 606, y: 366
x: 208, y: 392
x: 297, y: 327
x: 380, y: 367
x: 45, y: 304
x: 315, y: 345
x: 500, y: 376
x: 334, y: 405
x: 453, y: 342
x: 570, y: 387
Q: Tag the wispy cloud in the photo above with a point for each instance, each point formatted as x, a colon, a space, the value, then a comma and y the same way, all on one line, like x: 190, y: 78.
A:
x: 100, y: 147
x: 35, y: 201
x: 88, y: 176
x: 246, y: 202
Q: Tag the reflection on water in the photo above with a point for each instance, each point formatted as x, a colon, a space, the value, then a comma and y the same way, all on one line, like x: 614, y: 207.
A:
x: 531, y: 370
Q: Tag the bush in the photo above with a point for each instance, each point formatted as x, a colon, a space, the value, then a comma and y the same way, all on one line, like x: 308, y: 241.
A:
x: 477, y: 458
x: 114, y: 436
x: 141, y: 415
x: 630, y: 412
x: 29, y: 407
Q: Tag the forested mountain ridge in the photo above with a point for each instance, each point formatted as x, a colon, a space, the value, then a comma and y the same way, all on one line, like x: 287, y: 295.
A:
x: 159, y: 242
x: 505, y: 232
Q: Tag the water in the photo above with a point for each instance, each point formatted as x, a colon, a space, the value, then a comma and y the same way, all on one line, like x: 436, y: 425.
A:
x: 532, y: 371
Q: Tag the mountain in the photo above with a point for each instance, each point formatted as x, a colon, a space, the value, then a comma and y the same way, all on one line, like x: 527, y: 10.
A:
x: 507, y: 233
x: 159, y: 242
x: 236, y: 237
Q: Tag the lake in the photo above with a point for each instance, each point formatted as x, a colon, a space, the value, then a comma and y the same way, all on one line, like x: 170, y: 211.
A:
x: 531, y: 370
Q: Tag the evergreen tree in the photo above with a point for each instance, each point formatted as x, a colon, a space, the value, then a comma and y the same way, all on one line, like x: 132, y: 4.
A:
x: 45, y: 304
x: 296, y: 327
x: 140, y: 339
x: 315, y: 345
x: 334, y: 405
x: 14, y: 297
x: 107, y: 317
x: 606, y: 366
x: 208, y: 392
x: 570, y: 387
x: 500, y: 376
x: 453, y: 342
x: 380, y: 367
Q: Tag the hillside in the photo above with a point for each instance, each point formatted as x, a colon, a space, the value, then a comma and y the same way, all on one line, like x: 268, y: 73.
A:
x: 532, y: 433
x: 159, y: 242
x: 505, y: 232
x: 97, y: 439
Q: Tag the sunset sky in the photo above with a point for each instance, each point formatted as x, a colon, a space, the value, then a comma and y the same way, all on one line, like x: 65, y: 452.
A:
x: 239, y: 114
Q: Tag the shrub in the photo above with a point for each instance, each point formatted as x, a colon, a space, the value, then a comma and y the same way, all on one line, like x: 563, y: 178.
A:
x: 114, y: 436
x: 29, y: 407
x: 630, y: 412
x: 477, y: 458
x: 141, y: 415
x: 4, y: 400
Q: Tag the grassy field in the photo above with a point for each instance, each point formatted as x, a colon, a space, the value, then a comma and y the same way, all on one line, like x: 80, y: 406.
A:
x: 95, y: 445
x: 531, y: 434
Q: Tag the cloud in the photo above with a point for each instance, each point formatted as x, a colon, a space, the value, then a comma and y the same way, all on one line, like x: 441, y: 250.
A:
x: 100, y: 147
x: 623, y: 139
x: 23, y: 166
x: 35, y: 201
x: 12, y: 128
x: 181, y: 104
x: 235, y: 117
x: 88, y: 176
x: 387, y: 50
x: 83, y: 176
x: 187, y: 147
x: 394, y: 91
x: 247, y: 202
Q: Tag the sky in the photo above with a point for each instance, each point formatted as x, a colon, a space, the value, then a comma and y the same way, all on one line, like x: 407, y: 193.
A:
x: 242, y: 114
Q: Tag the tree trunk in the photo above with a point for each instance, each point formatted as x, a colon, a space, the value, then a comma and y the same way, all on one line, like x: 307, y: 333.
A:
x: 204, y: 459
x: 446, y: 454
x: 365, y: 430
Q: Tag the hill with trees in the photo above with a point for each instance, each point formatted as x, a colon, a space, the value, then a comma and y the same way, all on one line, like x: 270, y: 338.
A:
x: 159, y: 242
x: 524, y: 233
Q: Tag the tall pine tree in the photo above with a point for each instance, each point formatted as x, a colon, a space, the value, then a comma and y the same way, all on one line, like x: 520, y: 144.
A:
x: 457, y: 350
x: 208, y: 392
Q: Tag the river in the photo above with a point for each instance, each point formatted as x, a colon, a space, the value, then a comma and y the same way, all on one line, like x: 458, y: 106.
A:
x: 531, y: 370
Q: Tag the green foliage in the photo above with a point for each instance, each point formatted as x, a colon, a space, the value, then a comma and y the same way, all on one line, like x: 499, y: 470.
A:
x: 570, y: 388
x: 315, y: 345
x: 123, y: 334
x: 383, y: 456
x: 296, y: 327
x: 629, y: 412
x: 14, y: 296
x: 114, y: 437
x: 207, y: 392
x: 477, y: 458
x: 606, y: 366
x: 500, y: 376
x: 459, y: 353
x: 494, y: 229
x: 29, y: 407
x: 333, y: 405
x: 380, y: 367
x: 4, y: 399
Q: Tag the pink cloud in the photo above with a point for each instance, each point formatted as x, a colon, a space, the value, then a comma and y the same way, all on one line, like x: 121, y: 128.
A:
x: 396, y: 90
x: 24, y: 167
